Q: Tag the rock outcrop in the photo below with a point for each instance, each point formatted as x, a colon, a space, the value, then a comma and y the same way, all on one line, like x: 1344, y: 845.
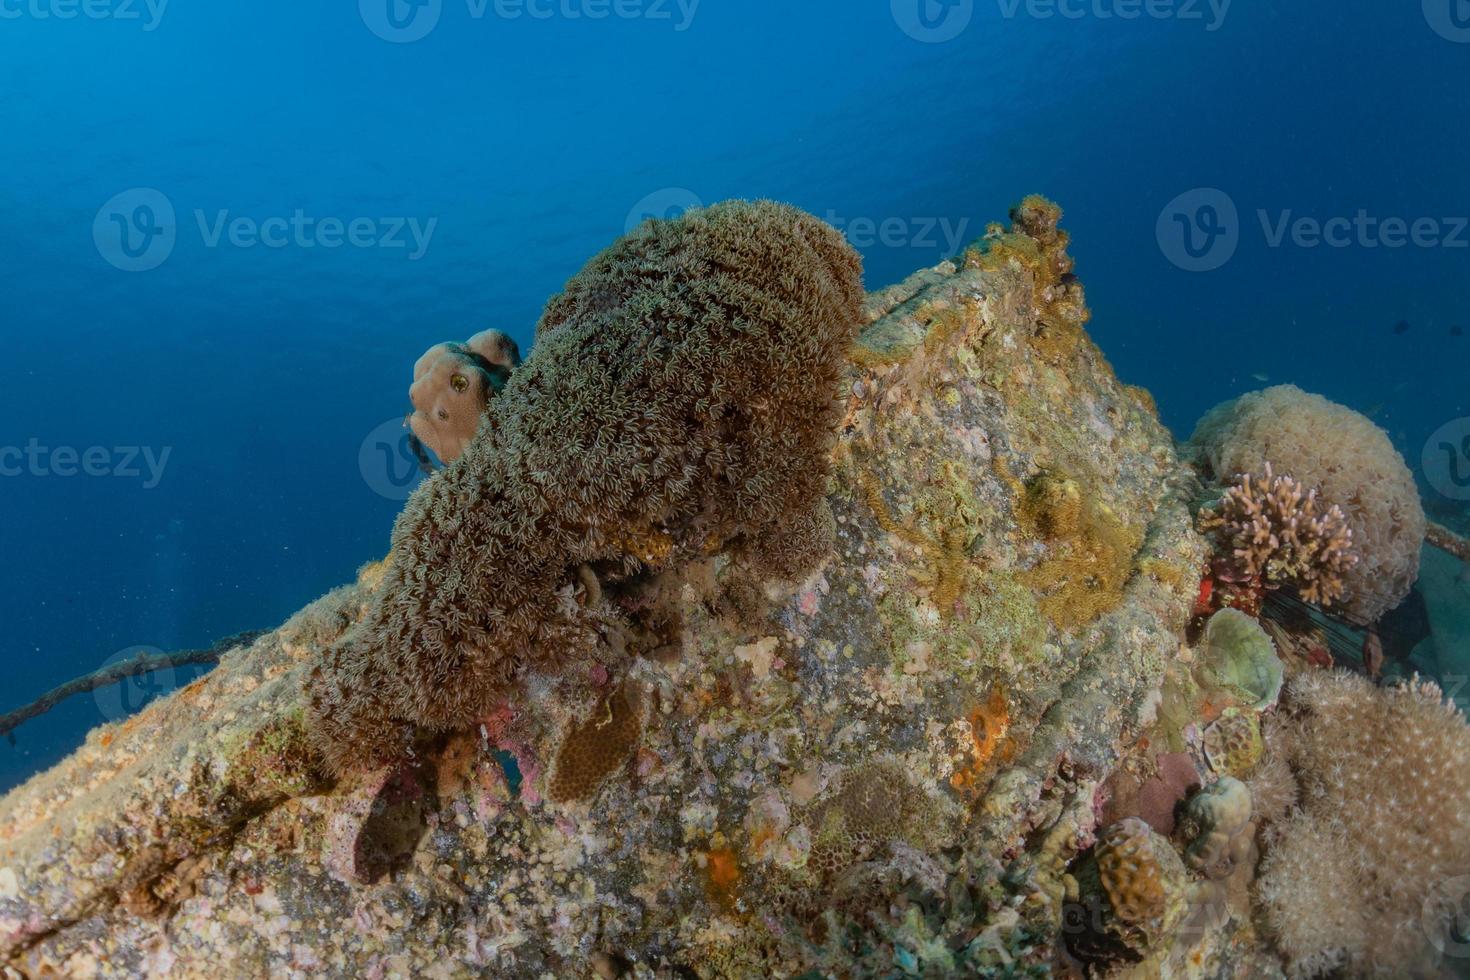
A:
x: 889, y: 766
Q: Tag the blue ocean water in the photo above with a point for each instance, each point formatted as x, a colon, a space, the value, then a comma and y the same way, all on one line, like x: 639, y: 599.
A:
x: 230, y: 229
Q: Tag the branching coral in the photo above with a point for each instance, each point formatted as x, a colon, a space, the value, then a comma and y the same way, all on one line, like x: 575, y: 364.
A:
x: 682, y: 393
x: 1384, y: 819
x: 1282, y: 533
x: 1349, y: 460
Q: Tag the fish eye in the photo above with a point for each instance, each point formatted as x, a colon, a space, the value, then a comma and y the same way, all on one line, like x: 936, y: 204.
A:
x: 459, y: 382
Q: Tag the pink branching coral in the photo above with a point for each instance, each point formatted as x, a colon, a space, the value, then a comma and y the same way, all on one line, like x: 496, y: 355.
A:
x: 1279, y: 532
x: 1383, y: 826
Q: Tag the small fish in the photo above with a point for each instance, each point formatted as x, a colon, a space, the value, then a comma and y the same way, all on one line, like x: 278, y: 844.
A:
x: 1402, y: 327
x: 1258, y: 376
x: 1373, y: 654
x: 1457, y: 331
x: 1375, y: 410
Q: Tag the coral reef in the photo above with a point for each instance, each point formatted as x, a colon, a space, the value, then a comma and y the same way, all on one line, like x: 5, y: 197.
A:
x: 681, y: 398
x: 1384, y: 820
x: 880, y: 759
x: 1348, y: 460
x: 452, y: 385
x: 1278, y: 533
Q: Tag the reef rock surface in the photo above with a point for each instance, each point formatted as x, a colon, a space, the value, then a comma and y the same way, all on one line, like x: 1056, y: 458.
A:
x: 883, y: 770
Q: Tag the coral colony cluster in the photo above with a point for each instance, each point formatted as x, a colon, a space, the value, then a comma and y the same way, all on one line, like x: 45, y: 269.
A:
x: 755, y: 627
x: 1278, y: 533
x: 1350, y: 464
x: 1382, y: 820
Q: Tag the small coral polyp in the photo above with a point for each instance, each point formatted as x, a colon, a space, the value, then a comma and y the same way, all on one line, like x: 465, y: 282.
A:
x: 683, y: 391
